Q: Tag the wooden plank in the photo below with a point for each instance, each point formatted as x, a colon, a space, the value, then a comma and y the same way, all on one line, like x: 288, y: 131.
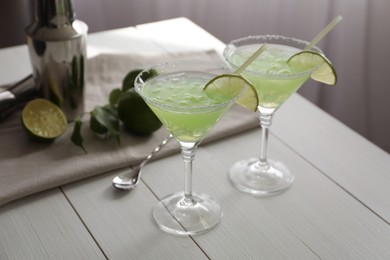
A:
x: 122, y: 224
x: 315, y: 218
x: 351, y: 161
x: 124, y: 40
x: 44, y: 226
x: 331, y: 222
x: 180, y: 35
x: 247, y: 229
x: 17, y: 64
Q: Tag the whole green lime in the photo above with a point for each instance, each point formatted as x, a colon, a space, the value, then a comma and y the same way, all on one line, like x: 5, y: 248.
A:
x: 128, y: 81
x: 135, y: 114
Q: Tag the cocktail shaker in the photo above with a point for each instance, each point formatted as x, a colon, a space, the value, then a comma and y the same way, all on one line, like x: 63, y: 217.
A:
x: 57, y: 46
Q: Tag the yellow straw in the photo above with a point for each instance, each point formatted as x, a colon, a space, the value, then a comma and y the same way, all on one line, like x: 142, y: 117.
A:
x: 251, y: 58
x: 324, y: 32
x: 262, y: 48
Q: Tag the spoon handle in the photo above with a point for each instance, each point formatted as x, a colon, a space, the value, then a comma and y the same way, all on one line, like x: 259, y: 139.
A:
x: 156, y: 150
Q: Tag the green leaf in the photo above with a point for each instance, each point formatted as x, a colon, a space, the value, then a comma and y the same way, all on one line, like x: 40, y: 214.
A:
x: 112, y: 109
x: 114, y: 96
x: 76, y: 137
x: 106, y: 117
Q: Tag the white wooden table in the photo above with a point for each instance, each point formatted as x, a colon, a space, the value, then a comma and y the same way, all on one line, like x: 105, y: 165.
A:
x: 337, y: 208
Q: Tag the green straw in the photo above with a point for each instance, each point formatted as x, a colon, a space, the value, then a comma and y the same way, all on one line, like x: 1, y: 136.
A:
x: 324, y: 32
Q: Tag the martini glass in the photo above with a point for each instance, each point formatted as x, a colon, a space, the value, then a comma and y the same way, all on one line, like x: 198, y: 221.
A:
x: 274, y: 82
x: 175, y: 94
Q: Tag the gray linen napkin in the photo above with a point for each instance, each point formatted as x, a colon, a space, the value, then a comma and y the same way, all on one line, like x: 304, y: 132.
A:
x: 27, y: 167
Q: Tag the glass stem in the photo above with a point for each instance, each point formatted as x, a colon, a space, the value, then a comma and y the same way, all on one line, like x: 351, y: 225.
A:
x: 265, y: 122
x: 188, y: 153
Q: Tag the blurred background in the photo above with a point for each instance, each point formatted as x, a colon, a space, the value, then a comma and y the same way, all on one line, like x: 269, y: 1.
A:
x: 359, y: 46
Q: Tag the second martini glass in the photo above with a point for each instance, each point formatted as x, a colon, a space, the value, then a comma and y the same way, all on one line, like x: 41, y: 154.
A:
x: 176, y: 96
x: 274, y: 82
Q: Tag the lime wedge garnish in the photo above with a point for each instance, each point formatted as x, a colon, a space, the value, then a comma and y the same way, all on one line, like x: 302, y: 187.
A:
x: 43, y: 120
x: 324, y: 72
x: 228, y: 86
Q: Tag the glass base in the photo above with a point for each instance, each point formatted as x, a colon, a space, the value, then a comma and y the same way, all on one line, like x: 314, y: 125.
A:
x: 251, y: 177
x: 179, y: 215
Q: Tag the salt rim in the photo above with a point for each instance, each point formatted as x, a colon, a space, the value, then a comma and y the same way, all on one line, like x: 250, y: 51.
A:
x: 173, y: 64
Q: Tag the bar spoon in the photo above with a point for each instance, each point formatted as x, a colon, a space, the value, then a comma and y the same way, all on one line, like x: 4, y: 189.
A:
x: 129, y: 180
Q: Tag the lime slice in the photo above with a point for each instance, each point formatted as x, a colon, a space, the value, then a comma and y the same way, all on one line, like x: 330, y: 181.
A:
x: 43, y: 120
x: 325, y: 71
x: 228, y: 86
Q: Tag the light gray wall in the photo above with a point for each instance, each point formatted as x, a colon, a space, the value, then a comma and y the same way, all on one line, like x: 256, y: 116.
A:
x: 358, y: 46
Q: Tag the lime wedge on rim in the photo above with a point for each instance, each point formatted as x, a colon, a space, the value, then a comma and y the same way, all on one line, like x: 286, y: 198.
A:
x: 228, y: 86
x: 325, y: 72
x: 43, y: 120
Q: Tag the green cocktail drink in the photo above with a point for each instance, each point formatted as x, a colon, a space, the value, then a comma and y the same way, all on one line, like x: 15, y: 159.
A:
x: 179, y: 101
x: 274, y: 80
x: 272, y: 91
x: 176, y: 95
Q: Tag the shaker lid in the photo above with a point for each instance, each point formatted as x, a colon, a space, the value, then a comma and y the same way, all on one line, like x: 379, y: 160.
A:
x: 54, y: 13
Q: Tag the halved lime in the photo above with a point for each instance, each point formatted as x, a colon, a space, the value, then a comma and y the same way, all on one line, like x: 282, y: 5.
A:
x: 325, y: 71
x: 227, y: 86
x: 43, y: 120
